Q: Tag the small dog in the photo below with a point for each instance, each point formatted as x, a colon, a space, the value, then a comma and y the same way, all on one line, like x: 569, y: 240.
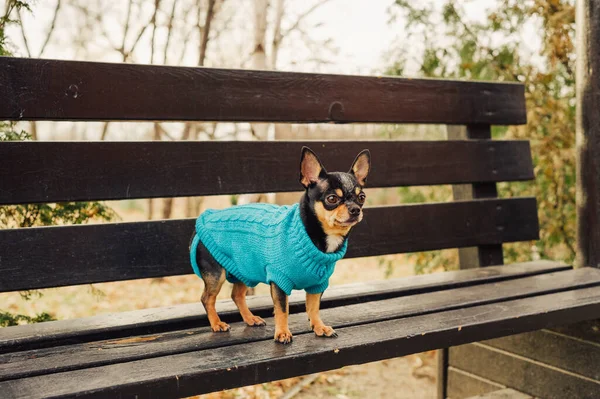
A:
x: 288, y: 247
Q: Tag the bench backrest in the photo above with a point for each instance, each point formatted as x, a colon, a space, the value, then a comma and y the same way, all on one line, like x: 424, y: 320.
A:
x: 39, y: 172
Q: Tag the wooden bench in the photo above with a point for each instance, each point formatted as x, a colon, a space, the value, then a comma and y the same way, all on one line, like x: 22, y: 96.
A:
x: 170, y: 352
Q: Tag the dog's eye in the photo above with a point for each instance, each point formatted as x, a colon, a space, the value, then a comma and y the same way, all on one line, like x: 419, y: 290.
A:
x: 332, y: 199
x: 362, y: 198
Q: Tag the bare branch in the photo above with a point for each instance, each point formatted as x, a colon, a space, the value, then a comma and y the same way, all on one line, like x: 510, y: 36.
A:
x: 259, y: 55
x: 153, y: 22
x: 169, y: 31
x: 185, y: 134
x: 206, y: 32
x: 139, y: 36
x: 23, y: 35
x: 104, y: 131
x: 165, y: 132
x: 51, y: 29
x: 277, y: 36
x: 302, y: 16
x: 125, y: 31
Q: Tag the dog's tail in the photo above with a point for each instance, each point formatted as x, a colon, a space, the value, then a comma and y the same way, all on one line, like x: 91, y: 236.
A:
x: 194, y: 254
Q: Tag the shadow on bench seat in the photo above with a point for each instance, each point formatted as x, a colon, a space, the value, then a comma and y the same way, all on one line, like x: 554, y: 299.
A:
x: 177, y: 355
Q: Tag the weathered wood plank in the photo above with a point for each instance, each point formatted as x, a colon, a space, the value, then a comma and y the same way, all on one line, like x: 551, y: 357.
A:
x: 64, y: 358
x: 484, y: 255
x: 72, y: 171
x: 462, y: 384
x: 554, y: 349
x: 534, y: 378
x: 37, y: 89
x: 588, y: 330
x: 505, y: 393
x: 588, y: 133
x: 121, y: 251
x: 470, y: 257
x: 186, y: 316
x: 238, y: 365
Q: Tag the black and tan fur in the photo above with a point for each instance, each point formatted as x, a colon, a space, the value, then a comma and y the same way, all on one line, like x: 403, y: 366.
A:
x: 330, y: 206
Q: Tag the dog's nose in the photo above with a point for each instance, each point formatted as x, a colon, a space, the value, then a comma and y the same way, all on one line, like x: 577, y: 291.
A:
x: 354, y: 211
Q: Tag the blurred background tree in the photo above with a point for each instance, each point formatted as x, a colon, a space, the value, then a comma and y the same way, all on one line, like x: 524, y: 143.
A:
x: 499, y: 48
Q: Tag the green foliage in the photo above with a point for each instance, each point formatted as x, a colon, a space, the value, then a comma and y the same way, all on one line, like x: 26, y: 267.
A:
x: 29, y: 215
x: 8, y: 132
x: 494, y: 49
x: 6, y: 19
x: 8, y: 319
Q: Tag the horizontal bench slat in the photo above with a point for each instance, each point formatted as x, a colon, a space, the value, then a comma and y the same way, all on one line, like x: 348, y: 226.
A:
x: 239, y: 365
x: 464, y: 385
x: 72, y: 357
x: 536, y: 378
x: 570, y: 354
x: 38, y: 89
x: 72, y: 171
x: 57, y: 256
x: 184, y: 316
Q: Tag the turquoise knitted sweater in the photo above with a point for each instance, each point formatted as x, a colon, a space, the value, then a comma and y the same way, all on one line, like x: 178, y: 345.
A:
x: 264, y: 243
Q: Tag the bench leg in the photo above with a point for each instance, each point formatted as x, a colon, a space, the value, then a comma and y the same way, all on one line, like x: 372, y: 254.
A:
x: 238, y: 294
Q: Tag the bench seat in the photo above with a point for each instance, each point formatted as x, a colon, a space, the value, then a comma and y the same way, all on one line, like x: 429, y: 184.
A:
x: 171, y: 352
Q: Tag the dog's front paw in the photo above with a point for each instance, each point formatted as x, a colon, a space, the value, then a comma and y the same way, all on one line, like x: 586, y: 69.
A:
x: 321, y: 330
x: 255, y: 321
x: 220, y: 327
x: 283, y: 336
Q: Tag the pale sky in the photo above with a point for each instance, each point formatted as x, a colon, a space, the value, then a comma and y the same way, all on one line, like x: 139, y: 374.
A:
x: 358, y: 29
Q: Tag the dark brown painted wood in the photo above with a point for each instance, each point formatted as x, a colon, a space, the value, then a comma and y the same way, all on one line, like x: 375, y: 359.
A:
x: 463, y: 385
x: 187, y: 316
x: 35, y: 89
x: 554, y: 349
x: 470, y: 257
x: 588, y: 330
x: 533, y: 378
x: 64, y: 358
x: 57, y: 256
x: 483, y: 255
x: 72, y: 171
x: 588, y: 133
x: 505, y: 393
x: 238, y: 365
x: 442, y: 373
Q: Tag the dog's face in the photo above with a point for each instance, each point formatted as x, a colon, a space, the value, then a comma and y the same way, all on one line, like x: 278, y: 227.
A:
x: 335, y: 198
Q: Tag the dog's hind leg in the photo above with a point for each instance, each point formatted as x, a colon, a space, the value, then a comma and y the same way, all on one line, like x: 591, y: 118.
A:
x: 213, y: 275
x: 238, y: 294
x: 212, y: 286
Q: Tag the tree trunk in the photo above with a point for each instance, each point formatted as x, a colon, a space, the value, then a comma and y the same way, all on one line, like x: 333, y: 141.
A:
x: 33, y: 130
x: 259, y: 55
x: 259, y: 61
x: 277, y: 35
x: 588, y: 132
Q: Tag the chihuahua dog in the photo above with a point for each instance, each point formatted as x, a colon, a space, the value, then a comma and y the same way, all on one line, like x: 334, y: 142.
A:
x: 287, y: 247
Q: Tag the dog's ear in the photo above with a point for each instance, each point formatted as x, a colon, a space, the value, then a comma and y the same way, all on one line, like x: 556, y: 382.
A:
x: 361, y: 167
x: 311, y: 169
